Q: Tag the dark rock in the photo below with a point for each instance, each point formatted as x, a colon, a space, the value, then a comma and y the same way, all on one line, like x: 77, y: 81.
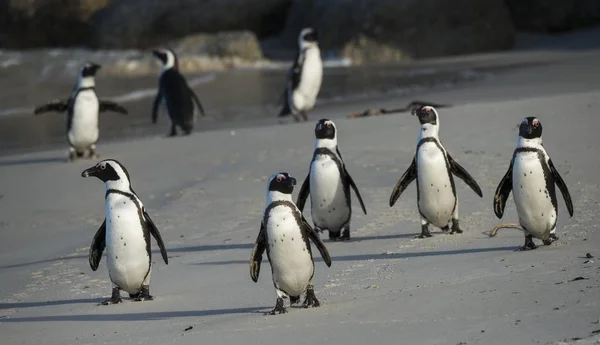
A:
x: 553, y: 16
x: 239, y: 44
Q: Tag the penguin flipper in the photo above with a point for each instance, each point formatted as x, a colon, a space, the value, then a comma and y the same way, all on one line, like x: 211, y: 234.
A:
x: 195, y: 98
x: 59, y: 106
x: 303, y: 194
x: 257, y: 252
x: 351, y: 182
x: 156, y: 104
x: 409, y: 175
x: 462, y: 173
x: 111, y: 106
x: 503, y: 191
x: 314, y: 237
x: 97, y: 246
x: 562, y: 186
x: 154, y: 231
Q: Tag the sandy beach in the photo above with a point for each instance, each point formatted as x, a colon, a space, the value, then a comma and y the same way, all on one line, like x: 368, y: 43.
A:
x: 206, y: 194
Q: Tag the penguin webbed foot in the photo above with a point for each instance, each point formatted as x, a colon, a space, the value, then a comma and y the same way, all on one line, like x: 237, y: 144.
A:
x: 550, y: 239
x: 311, y: 300
x: 345, y: 233
x: 143, y: 295
x: 115, y: 298
x: 529, y: 245
x: 173, y: 132
x: 279, y: 308
x: 424, y: 232
x: 455, y: 227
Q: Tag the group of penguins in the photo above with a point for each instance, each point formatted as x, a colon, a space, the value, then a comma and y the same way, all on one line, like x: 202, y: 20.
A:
x: 284, y: 233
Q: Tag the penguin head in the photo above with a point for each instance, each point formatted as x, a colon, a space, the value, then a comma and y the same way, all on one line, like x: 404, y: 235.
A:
x: 89, y: 69
x: 308, y: 38
x: 111, y: 172
x: 280, y: 187
x: 167, y: 57
x: 530, y: 128
x: 429, y: 120
x: 325, y: 129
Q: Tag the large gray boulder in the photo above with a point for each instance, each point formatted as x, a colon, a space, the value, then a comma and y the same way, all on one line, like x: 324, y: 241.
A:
x: 552, y: 16
x: 377, y: 31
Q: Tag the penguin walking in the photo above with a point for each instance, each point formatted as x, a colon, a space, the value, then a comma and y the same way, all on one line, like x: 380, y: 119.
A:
x: 304, y: 78
x: 175, y: 94
x: 433, y: 167
x: 125, y: 233
x: 285, y: 234
x: 531, y: 177
x: 328, y: 183
x: 82, y: 110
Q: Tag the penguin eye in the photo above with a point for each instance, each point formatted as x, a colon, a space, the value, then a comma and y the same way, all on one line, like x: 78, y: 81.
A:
x: 103, y: 166
x: 279, y: 178
x: 329, y: 125
x: 535, y: 123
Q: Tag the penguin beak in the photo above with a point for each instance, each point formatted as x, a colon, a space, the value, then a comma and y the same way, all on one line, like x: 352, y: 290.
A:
x: 292, y: 181
x: 160, y: 55
x: 90, y: 172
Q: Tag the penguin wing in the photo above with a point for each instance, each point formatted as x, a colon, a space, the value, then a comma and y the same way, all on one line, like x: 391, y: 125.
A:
x: 111, y: 106
x: 314, y: 237
x: 59, y: 106
x: 296, y: 71
x: 195, y: 98
x: 257, y: 252
x: 503, y: 191
x: 303, y: 194
x: 351, y: 182
x: 462, y: 174
x: 562, y: 186
x: 409, y: 175
x: 156, y: 104
x: 154, y: 231
x: 97, y: 247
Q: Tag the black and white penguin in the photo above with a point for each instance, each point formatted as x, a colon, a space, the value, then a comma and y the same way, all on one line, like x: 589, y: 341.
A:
x: 432, y: 167
x: 175, y: 94
x: 328, y: 183
x: 82, y: 113
x: 125, y: 233
x: 285, y: 234
x: 531, y: 177
x: 304, y: 78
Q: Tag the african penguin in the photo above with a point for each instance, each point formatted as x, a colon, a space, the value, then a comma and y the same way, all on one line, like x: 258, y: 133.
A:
x: 82, y: 113
x: 125, y: 233
x: 175, y: 94
x: 432, y: 167
x: 531, y: 177
x: 304, y: 78
x: 285, y: 234
x: 328, y: 183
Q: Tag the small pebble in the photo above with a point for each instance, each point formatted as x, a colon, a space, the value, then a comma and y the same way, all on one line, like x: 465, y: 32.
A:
x: 188, y: 328
x: 589, y: 256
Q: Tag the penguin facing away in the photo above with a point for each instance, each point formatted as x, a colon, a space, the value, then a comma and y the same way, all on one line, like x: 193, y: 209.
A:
x: 82, y: 110
x: 125, y: 233
x: 531, y: 177
x: 304, y: 78
x: 433, y: 167
x: 328, y: 183
x: 285, y: 235
x: 175, y: 94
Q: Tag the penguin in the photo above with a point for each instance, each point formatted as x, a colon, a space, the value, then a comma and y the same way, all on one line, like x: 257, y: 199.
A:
x: 328, y: 183
x: 531, y: 177
x: 285, y: 235
x: 82, y: 113
x: 125, y: 233
x: 304, y: 78
x: 433, y: 167
x: 175, y: 94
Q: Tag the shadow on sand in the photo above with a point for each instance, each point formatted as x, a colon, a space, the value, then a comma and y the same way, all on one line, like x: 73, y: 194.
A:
x: 18, y: 305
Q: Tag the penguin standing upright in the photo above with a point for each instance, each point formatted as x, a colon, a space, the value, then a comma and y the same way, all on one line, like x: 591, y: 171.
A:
x: 175, y: 94
x: 432, y: 167
x: 285, y: 234
x: 304, y: 78
x: 531, y: 177
x: 328, y: 183
x: 82, y: 113
x: 125, y: 233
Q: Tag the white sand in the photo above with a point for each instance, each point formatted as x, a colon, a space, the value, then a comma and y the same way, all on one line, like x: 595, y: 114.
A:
x: 206, y: 194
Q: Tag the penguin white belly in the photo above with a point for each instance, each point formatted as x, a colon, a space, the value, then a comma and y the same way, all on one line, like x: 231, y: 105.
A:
x: 84, y: 124
x: 436, y: 199
x: 127, y: 259
x: 329, y: 208
x: 305, y: 95
x: 534, y: 204
x: 290, y: 260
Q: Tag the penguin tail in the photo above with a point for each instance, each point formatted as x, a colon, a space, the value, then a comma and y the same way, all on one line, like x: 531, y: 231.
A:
x: 495, y: 229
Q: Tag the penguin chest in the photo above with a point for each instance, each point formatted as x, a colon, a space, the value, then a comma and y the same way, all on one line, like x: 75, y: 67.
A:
x: 436, y: 198
x: 290, y: 258
x: 84, y: 122
x: 128, y: 259
x: 305, y: 95
x: 330, y: 208
x: 533, y: 200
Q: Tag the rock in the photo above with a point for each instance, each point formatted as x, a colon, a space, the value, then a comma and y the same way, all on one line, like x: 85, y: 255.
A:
x: 552, y: 16
x: 147, y: 23
x: 378, y: 31
x: 240, y: 44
